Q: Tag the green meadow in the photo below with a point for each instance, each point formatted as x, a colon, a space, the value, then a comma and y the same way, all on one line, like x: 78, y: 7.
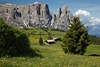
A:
x: 52, y: 55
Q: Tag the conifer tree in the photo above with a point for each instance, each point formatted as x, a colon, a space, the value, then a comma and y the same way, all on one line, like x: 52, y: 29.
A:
x: 13, y: 42
x: 76, y: 38
x: 41, y: 40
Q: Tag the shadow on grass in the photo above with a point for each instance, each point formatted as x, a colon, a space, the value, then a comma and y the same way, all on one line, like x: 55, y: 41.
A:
x: 14, y: 42
x: 33, y: 53
x: 30, y: 53
x: 94, y: 55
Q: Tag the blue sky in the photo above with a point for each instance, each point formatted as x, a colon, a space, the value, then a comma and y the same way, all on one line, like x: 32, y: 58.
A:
x: 74, y: 5
x: 92, y: 6
x: 82, y: 7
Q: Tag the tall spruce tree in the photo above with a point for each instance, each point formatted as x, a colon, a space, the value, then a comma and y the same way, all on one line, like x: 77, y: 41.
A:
x: 76, y: 38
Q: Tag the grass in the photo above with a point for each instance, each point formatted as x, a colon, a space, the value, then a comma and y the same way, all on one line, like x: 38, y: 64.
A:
x: 35, y: 38
x: 93, y: 49
x: 53, y: 56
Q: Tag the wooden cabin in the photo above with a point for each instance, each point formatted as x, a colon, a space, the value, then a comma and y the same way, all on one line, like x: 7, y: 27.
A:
x: 52, y: 41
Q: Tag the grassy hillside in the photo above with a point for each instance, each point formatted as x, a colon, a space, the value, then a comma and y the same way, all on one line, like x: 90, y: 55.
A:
x: 34, y: 34
x: 95, y: 39
x: 53, y: 56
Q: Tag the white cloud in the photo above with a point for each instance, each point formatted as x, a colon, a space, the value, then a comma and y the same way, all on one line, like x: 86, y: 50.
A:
x: 86, y: 16
x: 92, y: 22
x: 82, y: 12
x: 36, y: 2
x: 95, y: 8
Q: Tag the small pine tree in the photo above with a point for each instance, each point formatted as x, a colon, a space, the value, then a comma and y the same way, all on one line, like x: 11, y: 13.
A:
x: 41, y: 41
x: 76, y: 38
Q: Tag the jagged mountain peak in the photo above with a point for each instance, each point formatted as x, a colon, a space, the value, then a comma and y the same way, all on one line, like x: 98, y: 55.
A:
x: 35, y: 15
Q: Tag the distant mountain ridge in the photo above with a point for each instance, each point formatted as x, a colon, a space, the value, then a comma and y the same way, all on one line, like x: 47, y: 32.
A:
x: 35, y: 15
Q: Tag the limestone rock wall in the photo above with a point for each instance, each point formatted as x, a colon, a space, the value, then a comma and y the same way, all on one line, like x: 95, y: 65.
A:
x: 35, y: 15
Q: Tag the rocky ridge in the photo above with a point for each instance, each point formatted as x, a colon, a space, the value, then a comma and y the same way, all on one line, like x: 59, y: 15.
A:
x: 35, y: 15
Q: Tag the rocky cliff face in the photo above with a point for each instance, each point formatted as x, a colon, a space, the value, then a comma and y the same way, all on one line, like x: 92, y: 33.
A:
x: 62, y: 18
x: 35, y: 15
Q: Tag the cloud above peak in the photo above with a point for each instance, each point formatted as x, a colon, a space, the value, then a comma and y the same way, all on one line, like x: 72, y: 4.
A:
x: 86, y: 16
x: 82, y: 12
x: 36, y: 2
x: 92, y: 22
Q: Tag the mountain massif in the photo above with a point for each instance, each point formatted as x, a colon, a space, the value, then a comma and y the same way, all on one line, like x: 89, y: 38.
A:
x: 35, y: 15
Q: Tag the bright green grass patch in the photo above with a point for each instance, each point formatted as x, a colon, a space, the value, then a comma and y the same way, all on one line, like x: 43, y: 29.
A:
x: 93, y: 49
x: 53, y: 56
x: 33, y: 35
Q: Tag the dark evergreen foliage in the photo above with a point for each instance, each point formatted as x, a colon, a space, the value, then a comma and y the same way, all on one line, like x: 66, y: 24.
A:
x: 41, y: 41
x: 13, y: 42
x: 76, y: 38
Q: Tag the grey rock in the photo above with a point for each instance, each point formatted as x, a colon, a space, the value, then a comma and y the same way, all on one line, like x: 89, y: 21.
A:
x: 35, y: 15
x: 62, y: 19
x: 59, y: 12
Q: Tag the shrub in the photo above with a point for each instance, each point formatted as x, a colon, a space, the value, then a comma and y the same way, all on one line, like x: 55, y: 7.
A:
x: 13, y: 42
x: 41, y: 41
x: 76, y: 38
